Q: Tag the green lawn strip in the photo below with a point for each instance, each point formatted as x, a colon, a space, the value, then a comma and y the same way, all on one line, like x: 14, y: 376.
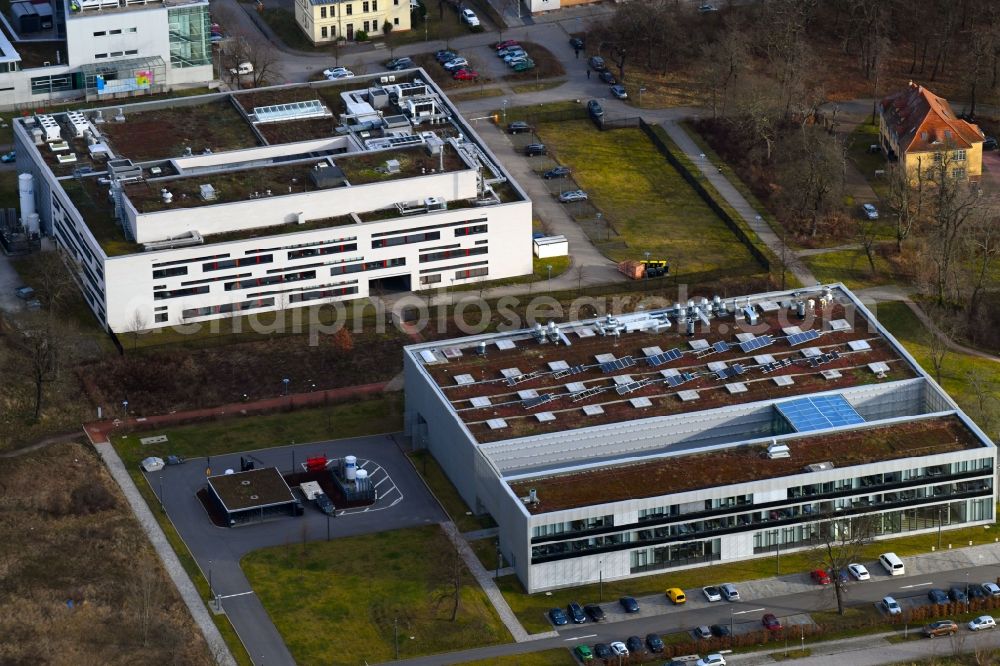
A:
x: 231, y: 435
x: 440, y: 25
x: 646, y: 200
x: 520, y: 112
x: 530, y: 609
x: 539, y: 272
x: 284, y: 25
x: 850, y: 267
x: 555, y: 657
x: 447, y: 495
x: 187, y: 561
x: 955, y: 368
x: 9, y: 197
x: 7, y: 133
x: 358, y: 587
x: 867, y: 163
x: 536, y: 87
x: 692, y: 168
x: 791, y: 654
x: 475, y: 94
x: 486, y: 551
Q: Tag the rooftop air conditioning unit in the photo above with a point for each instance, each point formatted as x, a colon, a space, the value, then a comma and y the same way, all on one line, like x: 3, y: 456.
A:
x: 208, y: 192
x: 778, y: 451
x: 820, y: 467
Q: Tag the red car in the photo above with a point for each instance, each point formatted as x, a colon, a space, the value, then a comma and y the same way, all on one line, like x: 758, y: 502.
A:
x: 503, y: 45
x: 466, y: 75
x: 770, y: 622
x: 821, y: 577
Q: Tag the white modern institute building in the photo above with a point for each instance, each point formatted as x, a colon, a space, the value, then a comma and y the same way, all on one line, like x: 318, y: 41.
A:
x: 185, y: 210
x: 712, y: 431
x: 57, y: 50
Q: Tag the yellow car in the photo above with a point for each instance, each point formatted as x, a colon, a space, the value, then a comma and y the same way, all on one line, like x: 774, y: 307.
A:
x: 676, y: 595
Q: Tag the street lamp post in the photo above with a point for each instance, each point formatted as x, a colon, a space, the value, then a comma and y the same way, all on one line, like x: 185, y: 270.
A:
x: 600, y: 579
x: 732, y: 622
x: 161, y: 493
x: 550, y: 271
x: 503, y: 108
x: 939, y: 528
x: 641, y: 90
x: 286, y: 381
x: 499, y: 558
x: 125, y: 407
x: 211, y: 590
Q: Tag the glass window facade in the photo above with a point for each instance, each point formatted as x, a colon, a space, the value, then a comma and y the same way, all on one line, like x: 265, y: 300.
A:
x: 189, y: 36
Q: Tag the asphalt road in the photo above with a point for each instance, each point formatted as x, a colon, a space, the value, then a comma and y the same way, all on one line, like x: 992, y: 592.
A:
x: 746, y: 615
x: 218, y: 550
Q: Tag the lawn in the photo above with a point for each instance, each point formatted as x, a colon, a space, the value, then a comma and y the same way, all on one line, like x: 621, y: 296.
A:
x: 363, y: 588
x: 867, y: 163
x: 9, y: 197
x: 351, y: 419
x: 486, y: 552
x: 447, y: 495
x: 540, y: 272
x: 956, y: 367
x: 850, y: 267
x: 554, y: 657
x: 646, y: 200
x: 530, y: 609
x: 475, y: 94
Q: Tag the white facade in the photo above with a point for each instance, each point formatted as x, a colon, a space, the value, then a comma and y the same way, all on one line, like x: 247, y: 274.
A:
x: 551, y: 547
x: 154, y: 45
x: 551, y: 246
x: 286, y: 249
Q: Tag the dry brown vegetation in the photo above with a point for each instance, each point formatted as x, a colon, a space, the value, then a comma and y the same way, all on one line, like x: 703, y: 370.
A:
x: 68, y: 535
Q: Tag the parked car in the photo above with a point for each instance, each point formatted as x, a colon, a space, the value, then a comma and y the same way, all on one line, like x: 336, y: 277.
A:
x: 174, y: 460
x: 8, y: 157
x: 594, y: 109
x: 24, y: 293
x: 634, y: 645
x: 937, y: 596
x: 456, y: 63
x: 619, y: 649
x: 444, y: 55
x: 348, y: 74
x: 504, y: 44
x: 242, y: 68
x: 618, y: 91
x: 524, y: 66
x: 771, y: 622
x: 152, y: 464
x: 509, y: 54
x: 597, y: 63
x: 325, y: 504
x: 465, y: 75
x: 603, y: 651
x: 982, y: 622
x: 470, y: 17
x: 702, y: 631
x: 517, y: 60
x: 576, y: 43
x: 397, y: 64
x: 583, y: 653
x: 513, y: 48
x: 575, y: 612
x: 580, y: 195
x: 712, y: 593
x: 607, y: 77
x: 337, y: 72
x: 859, y: 571
x: 557, y: 172
x: 711, y: 660
x: 870, y: 211
x: 594, y: 612
x: 940, y: 628
x: 654, y: 643
x: 729, y: 592
x: 675, y: 594
x: 977, y: 592
x: 629, y: 604
x: 992, y: 589
x: 721, y: 630
x: 533, y: 149
x: 558, y: 617
x: 707, y: 9
x: 990, y: 143
x: 958, y: 595
x: 519, y: 126
x: 842, y: 575
x: 820, y: 577
x: 891, y: 606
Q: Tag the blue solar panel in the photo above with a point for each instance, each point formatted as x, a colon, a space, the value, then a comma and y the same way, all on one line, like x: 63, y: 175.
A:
x: 804, y: 336
x: 818, y: 412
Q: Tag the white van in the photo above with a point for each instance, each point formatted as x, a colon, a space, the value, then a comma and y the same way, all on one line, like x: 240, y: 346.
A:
x: 892, y: 564
x: 243, y: 68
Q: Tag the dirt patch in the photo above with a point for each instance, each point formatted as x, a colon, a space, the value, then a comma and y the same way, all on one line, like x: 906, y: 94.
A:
x: 81, y: 583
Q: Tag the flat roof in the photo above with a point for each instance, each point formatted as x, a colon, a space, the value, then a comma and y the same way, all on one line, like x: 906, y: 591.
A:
x: 746, y: 463
x: 254, y: 489
x: 599, y: 379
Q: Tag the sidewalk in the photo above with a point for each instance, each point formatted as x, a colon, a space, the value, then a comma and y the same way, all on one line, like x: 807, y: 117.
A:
x: 189, y: 594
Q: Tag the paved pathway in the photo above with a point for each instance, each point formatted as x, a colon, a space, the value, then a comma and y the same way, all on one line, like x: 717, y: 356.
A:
x: 489, y: 585
x: 475, y: 535
x: 812, y: 251
x: 188, y: 592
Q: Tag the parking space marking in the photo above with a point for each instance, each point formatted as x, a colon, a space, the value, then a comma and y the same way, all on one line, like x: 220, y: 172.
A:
x: 907, y: 587
x: 238, y: 594
x: 380, y: 498
x: 381, y: 482
x: 579, y: 638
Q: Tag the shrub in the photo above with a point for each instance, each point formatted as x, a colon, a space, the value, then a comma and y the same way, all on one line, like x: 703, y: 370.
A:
x: 361, y: 36
x: 386, y: 28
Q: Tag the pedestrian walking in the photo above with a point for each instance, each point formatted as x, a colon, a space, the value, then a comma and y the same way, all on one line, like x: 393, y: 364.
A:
x: 588, y: 73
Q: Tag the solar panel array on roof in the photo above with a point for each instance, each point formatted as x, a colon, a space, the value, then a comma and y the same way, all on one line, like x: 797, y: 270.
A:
x: 756, y: 343
x: 531, y: 403
x: 618, y: 364
x: 628, y: 388
x: 819, y: 412
x: 665, y: 357
x: 583, y: 395
x: 677, y: 380
x: 804, y: 336
x: 721, y: 346
x: 734, y: 371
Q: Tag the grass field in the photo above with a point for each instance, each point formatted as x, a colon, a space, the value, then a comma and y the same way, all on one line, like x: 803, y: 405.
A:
x: 850, y: 267
x: 540, y: 271
x: 351, y: 419
x: 955, y: 368
x: 867, y: 163
x: 446, y: 493
x: 645, y: 199
x: 544, y: 658
x: 359, y: 587
x: 530, y: 609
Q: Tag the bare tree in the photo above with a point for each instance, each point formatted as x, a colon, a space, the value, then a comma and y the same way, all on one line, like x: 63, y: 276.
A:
x: 37, y: 343
x: 841, y: 544
x: 905, y: 200
x: 986, y: 391
x: 451, y: 571
x: 938, y: 346
x: 866, y: 231
x: 136, y: 326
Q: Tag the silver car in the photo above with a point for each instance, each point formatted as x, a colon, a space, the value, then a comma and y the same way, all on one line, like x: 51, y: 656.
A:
x: 871, y: 212
x: 573, y: 195
x: 729, y: 592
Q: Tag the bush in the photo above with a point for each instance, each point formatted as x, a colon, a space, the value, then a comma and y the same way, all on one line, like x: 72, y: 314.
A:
x: 361, y: 36
x: 386, y: 28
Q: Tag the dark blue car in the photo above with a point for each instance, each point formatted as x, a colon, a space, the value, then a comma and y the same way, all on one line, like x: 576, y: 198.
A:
x: 937, y: 596
x: 558, y: 617
x: 629, y: 604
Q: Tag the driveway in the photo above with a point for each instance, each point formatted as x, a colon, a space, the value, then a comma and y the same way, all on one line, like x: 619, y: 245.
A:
x: 218, y: 550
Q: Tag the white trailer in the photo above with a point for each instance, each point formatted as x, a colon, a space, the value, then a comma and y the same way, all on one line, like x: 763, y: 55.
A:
x: 310, y: 489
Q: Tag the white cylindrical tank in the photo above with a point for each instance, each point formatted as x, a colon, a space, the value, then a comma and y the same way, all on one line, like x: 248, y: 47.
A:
x: 26, y: 190
x: 350, y: 467
x: 362, y: 476
x: 32, y: 225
